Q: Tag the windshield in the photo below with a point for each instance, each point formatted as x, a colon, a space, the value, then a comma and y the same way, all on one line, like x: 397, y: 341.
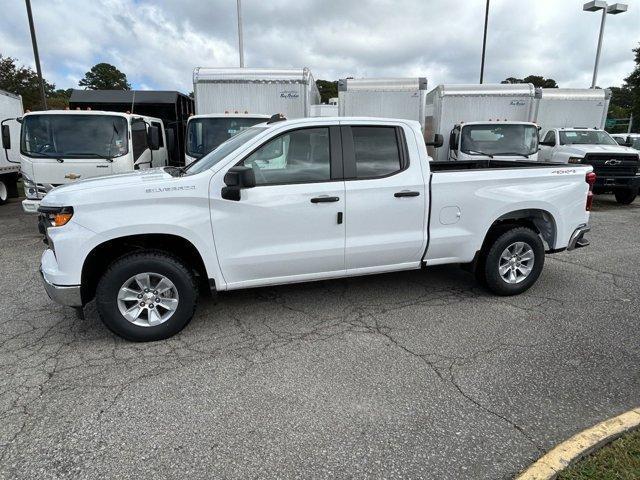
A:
x: 585, y: 137
x: 74, y: 136
x: 507, y: 139
x: 206, y: 134
x: 223, y: 150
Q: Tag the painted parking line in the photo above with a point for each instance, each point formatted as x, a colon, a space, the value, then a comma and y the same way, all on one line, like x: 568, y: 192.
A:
x: 581, y: 444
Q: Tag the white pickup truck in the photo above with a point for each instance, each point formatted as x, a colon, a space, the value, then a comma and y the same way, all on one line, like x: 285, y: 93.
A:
x: 296, y: 201
x: 617, y: 167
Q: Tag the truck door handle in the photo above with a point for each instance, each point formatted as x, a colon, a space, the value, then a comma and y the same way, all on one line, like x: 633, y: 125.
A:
x: 324, y: 199
x: 406, y: 193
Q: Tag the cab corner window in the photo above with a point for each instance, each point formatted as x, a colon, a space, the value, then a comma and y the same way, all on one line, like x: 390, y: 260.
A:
x: 376, y: 151
x: 300, y: 156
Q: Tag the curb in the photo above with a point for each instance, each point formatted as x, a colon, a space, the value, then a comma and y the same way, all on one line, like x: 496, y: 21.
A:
x: 570, y: 451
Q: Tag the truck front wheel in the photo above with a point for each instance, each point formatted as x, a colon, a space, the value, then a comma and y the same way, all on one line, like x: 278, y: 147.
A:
x: 146, y: 296
x: 513, y: 262
x: 626, y: 196
x: 4, y: 191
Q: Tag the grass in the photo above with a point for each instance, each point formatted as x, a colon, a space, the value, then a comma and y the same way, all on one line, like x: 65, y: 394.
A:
x: 620, y: 460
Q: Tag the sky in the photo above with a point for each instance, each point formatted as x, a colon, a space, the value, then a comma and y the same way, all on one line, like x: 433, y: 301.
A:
x: 159, y: 43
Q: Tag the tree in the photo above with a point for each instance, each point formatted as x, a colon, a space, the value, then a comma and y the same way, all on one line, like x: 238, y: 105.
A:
x: 104, y: 76
x: 632, y: 83
x: 23, y: 81
x: 536, y: 80
x: 327, y: 89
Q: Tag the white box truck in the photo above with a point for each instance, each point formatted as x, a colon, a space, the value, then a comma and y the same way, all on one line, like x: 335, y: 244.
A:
x: 402, y: 98
x: 571, y: 107
x: 242, y: 97
x: 10, y: 111
x: 58, y: 147
x: 482, y: 121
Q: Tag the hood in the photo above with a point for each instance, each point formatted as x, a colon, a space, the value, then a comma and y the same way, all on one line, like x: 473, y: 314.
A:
x: 582, y: 150
x: 58, y: 195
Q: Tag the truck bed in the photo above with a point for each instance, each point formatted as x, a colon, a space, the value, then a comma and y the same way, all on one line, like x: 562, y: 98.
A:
x: 446, y: 166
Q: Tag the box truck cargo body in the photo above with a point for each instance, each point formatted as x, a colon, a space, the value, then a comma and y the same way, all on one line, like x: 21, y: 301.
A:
x: 450, y: 105
x: 324, y: 110
x: 571, y: 107
x: 383, y: 97
x: 255, y: 91
x: 10, y: 109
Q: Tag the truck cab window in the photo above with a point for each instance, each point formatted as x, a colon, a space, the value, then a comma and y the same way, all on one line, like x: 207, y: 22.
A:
x: 376, y: 151
x: 295, y: 157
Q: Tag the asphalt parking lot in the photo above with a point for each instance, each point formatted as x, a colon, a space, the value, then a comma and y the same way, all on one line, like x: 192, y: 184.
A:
x: 405, y: 375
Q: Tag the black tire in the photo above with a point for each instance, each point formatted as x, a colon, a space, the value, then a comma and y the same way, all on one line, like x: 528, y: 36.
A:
x: 4, y: 191
x: 154, y: 262
x: 488, y: 267
x: 626, y: 196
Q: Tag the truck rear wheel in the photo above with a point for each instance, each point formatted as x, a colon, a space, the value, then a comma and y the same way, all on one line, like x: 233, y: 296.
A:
x: 146, y: 296
x: 626, y: 196
x: 513, y: 262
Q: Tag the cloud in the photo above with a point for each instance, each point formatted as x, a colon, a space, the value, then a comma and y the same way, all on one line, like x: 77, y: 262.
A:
x: 158, y: 43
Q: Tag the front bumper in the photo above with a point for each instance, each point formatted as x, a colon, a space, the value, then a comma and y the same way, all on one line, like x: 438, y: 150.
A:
x: 577, y: 239
x: 68, y: 295
x: 30, y: 206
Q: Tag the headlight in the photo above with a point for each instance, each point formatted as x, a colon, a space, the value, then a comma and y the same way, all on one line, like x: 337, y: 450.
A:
x: 30, y: 188
x: 575, y: 159
x: 56, y: 216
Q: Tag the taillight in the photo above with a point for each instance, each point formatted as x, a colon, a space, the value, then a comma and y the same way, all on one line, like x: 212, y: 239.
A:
x: 590, y: 178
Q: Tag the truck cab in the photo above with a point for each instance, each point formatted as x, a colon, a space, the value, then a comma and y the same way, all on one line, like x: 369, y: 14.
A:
x: 59, y: 147
x: 493, y: 140
x: 206, y: 132
x: 627, y: 139
x: 617, y: 167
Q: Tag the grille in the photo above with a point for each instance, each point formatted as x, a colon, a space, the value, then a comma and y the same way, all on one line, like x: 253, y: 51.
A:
x: 628, y: 164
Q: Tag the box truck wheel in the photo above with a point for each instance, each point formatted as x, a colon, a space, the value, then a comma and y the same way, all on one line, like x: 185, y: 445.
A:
x: 4, y: 190
x: 513, y: 262
x: 146, y: 296
x: 625, y: 196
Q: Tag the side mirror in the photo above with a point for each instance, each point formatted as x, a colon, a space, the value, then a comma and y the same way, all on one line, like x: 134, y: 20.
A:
x: 628, y: 142
x: 236, y: 179
x: 438, y: 141
x: 6, y: 137
x: 153, y: 138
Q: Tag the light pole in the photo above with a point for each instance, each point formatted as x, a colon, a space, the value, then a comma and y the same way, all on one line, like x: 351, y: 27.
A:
x: 612, y: 9
x: 32, y: 28
x: 240, y: 45
x: 484, y: 41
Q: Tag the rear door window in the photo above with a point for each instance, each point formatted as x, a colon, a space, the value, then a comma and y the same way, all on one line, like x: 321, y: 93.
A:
x: 376, y: 151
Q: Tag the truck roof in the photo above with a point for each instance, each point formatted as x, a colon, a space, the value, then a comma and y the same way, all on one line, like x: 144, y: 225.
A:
x: 258, y: 75
x: 382, y: 84
x: 573, y: 93
x: 493, y: 89
x: 91, y: 112
x: 126, y: 96
x: 306, y: 120
x: 230, y: 115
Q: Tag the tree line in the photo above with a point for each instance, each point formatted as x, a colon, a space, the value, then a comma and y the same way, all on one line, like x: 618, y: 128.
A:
x: 625, y: 100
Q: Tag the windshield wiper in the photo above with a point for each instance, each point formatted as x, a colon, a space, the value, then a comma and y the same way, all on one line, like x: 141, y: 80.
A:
x: 58, y: 157
x: 91, y: 154
x: 476, y: 152
x: 513, y: 153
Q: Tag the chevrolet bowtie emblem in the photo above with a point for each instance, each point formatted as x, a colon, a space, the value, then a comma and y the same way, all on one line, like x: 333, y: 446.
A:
x: 72, y: 176
x: 613, y: 161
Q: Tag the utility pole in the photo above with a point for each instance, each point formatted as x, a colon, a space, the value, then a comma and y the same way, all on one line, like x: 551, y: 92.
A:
x: 35, y: 53
x: 240, y: 43
x: 484, y: 42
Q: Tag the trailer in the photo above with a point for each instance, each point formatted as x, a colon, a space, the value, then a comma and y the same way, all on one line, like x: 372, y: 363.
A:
x: 10, y: 111
x: 173, y: 108
x: 571, y: 107
x: 383, y: 97
x: 255, y: 91
x: 449, y: 106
